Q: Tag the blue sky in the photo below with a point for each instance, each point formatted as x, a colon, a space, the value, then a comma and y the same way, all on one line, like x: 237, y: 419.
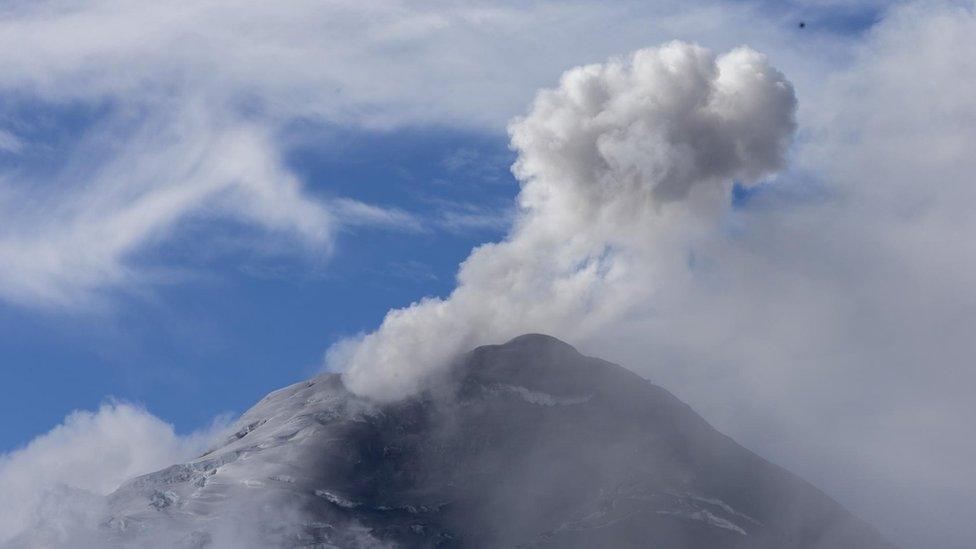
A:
x: 229, y: 322
x: 245, y: 323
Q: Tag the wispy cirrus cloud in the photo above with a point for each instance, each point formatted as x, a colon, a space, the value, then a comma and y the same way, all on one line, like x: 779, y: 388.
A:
x: 60, y: 247
x: 194, y: 98
x: 10, y: 143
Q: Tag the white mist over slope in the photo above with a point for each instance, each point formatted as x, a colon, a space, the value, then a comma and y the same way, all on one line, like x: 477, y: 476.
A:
x: 619, y: 165
x: 53, y: 485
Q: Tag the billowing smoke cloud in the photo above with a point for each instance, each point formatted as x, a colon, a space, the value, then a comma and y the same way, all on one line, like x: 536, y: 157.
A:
x: 618, y: 165
x: 824, y: 321
x: 52, y: 487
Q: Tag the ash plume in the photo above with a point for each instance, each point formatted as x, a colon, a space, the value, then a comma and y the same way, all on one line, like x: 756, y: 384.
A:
x: 617, y: 165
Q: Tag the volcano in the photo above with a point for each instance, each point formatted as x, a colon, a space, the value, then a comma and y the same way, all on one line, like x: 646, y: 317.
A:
x: 525, y: 444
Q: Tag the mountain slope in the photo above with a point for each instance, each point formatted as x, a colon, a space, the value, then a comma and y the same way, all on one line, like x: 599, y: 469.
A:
x: 526, y: 444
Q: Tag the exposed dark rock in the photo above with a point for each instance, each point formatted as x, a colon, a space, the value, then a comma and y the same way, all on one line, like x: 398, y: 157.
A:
x: 526, y: 444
